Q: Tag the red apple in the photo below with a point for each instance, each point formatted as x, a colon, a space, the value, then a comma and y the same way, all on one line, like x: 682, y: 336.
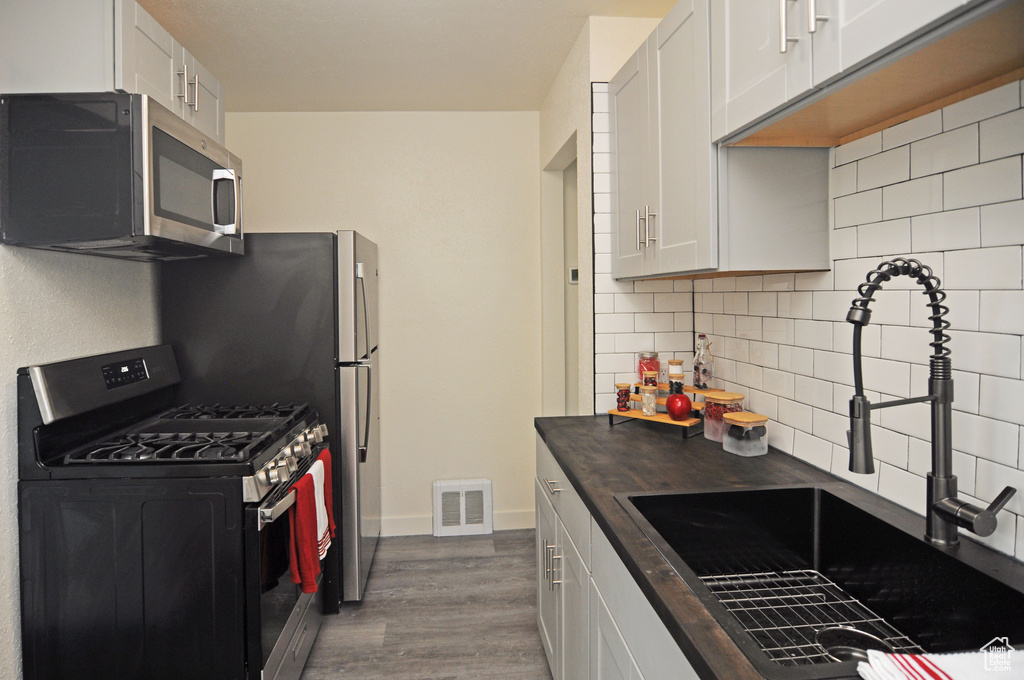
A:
x: 678, y: 406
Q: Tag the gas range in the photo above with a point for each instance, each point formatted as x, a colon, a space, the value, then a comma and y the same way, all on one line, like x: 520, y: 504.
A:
x: 112, y: 417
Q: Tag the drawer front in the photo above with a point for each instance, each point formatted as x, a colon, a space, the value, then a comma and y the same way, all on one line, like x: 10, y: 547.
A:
x: 565, y: 499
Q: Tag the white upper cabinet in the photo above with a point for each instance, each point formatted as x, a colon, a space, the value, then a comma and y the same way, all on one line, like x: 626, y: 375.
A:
x: 663, y: 162
x: 102, y: 46
x: 761, y: 58
x: 768, y: 54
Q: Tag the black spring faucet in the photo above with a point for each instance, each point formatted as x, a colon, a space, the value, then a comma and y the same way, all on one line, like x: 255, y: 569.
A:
x: 945, y: 512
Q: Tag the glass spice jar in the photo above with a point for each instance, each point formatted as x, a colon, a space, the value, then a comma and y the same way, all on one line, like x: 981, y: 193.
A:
x: 716, y: 405
x: 649, y: 399
x: 622, y: 396
x: 675, y: 384
x: 703, y: 363
x: 746, y: 434
x: 675, y: 368
x: 650, y: 378
x: 648, y: 362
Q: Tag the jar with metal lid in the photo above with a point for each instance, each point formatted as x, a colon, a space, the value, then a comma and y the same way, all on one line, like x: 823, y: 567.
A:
x: 746, y: 434
x: 622, y: 396
x: 648, y: 362
x: 716, y: 405
x: 649, y: 399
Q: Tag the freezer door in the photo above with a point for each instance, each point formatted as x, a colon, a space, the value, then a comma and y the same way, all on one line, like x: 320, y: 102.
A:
x: 357, y: 297
x: 360, y: 478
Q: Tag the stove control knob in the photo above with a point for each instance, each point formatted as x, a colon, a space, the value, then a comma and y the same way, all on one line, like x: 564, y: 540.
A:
x: 277, y: 472
x: 292, y: 464
x: 320, y: 432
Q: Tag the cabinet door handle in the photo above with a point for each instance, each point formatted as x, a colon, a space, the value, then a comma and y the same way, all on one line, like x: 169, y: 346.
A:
x: 647, y: 226
x: 638, y: 231
x: 784, y: 37
x: 183, y: 95
x: 195, y: 93
x: 552, y: 485
x: 554, y: 582
x: 813, y: 17
x: 547, y: 561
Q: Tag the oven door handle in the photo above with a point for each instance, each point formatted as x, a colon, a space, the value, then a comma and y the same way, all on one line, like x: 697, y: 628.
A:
x: 272, y: 513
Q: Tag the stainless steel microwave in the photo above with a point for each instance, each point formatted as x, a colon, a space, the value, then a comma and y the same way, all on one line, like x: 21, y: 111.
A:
x: 116, y: 175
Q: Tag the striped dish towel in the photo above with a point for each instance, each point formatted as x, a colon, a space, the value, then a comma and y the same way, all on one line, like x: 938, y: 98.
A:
x: 964, y: 666
x: 312, y: 523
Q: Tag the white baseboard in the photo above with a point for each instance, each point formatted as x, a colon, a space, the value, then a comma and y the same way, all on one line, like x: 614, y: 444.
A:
x: 424, y: 524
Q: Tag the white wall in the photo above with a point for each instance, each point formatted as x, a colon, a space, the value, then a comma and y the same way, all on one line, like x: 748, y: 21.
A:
x: 56, y: 306
x: 945, y: 188
x: 452, y: 199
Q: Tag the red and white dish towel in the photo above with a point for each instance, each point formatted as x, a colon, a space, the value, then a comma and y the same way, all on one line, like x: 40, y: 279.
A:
x: 312, y: 523
x: 965, y: 666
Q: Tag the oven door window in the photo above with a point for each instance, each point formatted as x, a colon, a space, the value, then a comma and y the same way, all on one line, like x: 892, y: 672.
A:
x: 190, y: 188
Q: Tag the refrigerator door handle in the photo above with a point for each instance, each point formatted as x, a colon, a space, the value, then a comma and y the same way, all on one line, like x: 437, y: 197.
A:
x: 366, y: 311
x: 364, y: 447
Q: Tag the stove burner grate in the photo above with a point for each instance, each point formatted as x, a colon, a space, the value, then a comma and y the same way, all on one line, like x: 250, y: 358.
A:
x: 217, y: 447
x: 222, y: 411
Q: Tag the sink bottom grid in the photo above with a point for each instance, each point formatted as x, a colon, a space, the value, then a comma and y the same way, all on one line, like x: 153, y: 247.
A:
x: 784, y: 610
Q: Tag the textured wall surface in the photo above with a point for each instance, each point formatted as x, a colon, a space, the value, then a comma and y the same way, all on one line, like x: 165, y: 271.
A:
x: 56, y: 306
x: 452, y: 199
x: 945, y: 188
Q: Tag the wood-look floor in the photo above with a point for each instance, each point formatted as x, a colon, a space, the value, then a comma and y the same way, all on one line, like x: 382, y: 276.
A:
x: 454, y: 608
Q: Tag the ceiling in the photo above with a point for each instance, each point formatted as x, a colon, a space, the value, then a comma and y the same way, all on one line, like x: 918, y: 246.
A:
x: 386, y: 55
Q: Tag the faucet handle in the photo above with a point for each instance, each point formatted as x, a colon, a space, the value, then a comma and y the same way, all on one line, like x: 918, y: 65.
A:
x: 1004, y: 496
x: 983, y: 522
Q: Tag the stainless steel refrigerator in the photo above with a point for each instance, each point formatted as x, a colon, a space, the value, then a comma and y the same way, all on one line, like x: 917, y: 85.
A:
x: 294, y: 320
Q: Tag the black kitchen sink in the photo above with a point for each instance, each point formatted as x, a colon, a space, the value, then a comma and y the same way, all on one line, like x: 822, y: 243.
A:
x: 804, y: 579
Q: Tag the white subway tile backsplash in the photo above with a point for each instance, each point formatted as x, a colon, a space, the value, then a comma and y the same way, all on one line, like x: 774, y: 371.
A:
x: 797, y: 360
x: 795, y: 305
x: 861, y: 148
x: 986, y: 438
x: 906, y: 343
x: 602, y: 203
x: 913, y: 419
x: 673, y: 302
x: 764, y: 354
x: 830, y: 426
x: 1002, y: 398
x: 682, y: 321
x: 859, y: 208
x: 1002, y: 224
x: 724, y: 325
x: 736, y: 349
x: 885, y: 168
x: 683, y: 286
x: 723, y: 284
x: 602, y: 263
x: 912, y: 130
x: 749, y: 283
x: 673, y: 342
x: 950, y: 150
x: 632, y: 303
x: 841, y: 468
x: 604, y: 303
x: 986, y: 105
x: 613, y: 363
x: 749, y: 376
x: 992, y: 182
x: 813, y: 280
x: 812, y: 392
x: 654, y: 286
x: 842, y: 243
x: 1002, y: 136
x: 984, y: 269
x: 916, y: 197
x: 812, y: 334
x: 633, y: 342
x: 614, y: 323
x: 951, y: 230
x: 604, y: 343
x: 834, y: 367
x: 604, y: 283
x: 1002, y: 311
x: 602, y: 183
x: 748, y: 327
x: 795, y: 414
x: 843, y: 180
x: 602, y: 162
x: 902, y: 487
x: 763, y: 304
x: 889, y: 377
x: 778, y: 282
x: 778, y: 330
x: 891, y: 237
x: 602, y: 243
x: 713, y: 303
x: 780, y: 436
x: 703, y: 285
x: 654, y: 323
x: 734, y: 303
x: 992, y: 478
x: 813, y: 450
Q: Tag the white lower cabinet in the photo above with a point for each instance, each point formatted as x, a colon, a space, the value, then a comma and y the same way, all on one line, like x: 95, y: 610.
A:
x: 609, y: 657
x: 594, y: 621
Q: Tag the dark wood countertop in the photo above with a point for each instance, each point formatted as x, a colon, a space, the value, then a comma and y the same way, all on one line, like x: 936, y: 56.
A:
x: 601, y: 460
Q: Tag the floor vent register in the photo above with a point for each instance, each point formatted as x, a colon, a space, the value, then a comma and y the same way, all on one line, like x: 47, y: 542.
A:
x: 462, y: 507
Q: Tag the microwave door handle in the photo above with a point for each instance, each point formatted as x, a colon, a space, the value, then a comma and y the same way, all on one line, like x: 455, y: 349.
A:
x: 221, y: 175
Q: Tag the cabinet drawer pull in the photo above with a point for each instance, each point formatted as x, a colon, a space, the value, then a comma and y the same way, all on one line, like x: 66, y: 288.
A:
x: 183, y: 95
x: 552, y: 485
x: 547, y: 560
x: 648, y: 219
x: 784, y: 37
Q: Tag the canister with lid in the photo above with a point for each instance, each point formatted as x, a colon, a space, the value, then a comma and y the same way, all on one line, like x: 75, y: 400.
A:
x: 649, y: 399
x: 648, y: 362
x: 746, y: 434
x: 716, y: 405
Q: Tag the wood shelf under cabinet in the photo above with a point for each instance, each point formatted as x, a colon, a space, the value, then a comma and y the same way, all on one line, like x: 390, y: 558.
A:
x: 981, y: 56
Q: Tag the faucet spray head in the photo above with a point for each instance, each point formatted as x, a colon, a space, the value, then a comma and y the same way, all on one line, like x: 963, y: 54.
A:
x: 862, y: 460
